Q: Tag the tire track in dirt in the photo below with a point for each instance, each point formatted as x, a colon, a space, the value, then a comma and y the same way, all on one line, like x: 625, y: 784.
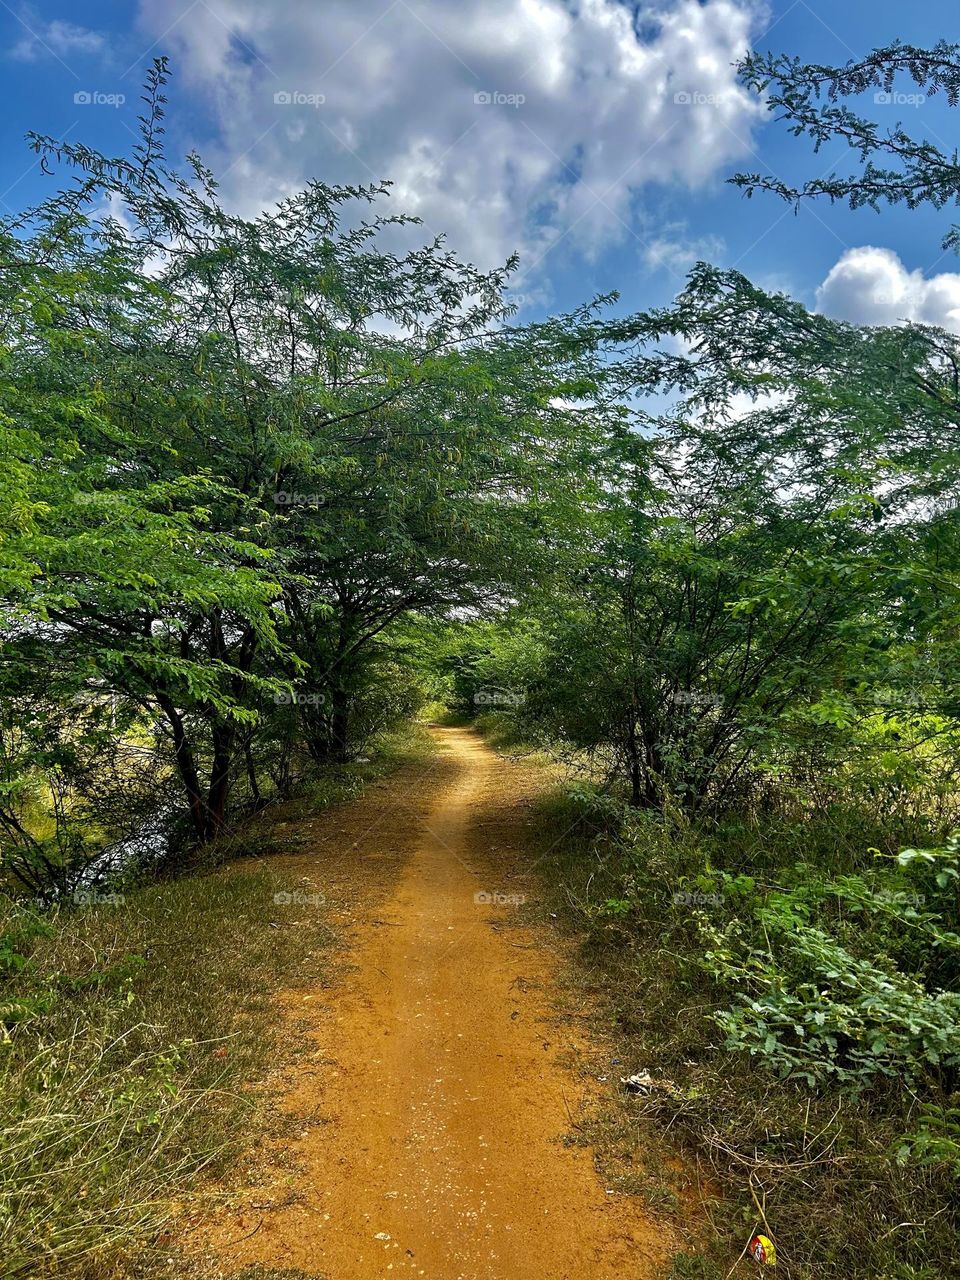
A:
x: 437, y: 1077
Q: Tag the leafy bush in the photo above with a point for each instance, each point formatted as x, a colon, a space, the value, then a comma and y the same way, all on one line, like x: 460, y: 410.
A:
x: 936, y: 1140
x: 821, y: 1013
x: 803, y: 1105
x: 839, y: 973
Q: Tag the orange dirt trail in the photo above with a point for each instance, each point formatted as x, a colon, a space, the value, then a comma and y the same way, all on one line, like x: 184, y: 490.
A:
x: 440, y: 1082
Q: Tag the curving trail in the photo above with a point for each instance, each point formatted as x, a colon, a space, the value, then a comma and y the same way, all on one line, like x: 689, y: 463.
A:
x: 438, y: 1078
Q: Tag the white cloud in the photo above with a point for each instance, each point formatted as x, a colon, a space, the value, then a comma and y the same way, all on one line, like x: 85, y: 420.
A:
x: 872, y: 286
x: 740, y: 405
x: 676, y: 252
x: 55, y: 39
x: 605, y: 111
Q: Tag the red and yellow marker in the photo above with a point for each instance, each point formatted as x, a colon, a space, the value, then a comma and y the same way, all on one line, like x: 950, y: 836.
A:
x: 761, y: 1249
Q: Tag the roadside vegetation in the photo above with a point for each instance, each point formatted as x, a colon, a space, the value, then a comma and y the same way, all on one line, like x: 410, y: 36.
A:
x: 751, y: 671
x: 786, y: 1028
x: 141, y: 1037
x: 269, y: 487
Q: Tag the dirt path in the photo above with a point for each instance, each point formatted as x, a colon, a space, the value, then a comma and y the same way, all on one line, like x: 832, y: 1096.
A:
x: 438, y: 1081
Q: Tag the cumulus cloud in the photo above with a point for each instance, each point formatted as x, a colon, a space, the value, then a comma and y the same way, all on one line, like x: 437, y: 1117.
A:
x: 56, y: 39
x: 508, y: 124
x: 872, y: 286
x: 677, y: 253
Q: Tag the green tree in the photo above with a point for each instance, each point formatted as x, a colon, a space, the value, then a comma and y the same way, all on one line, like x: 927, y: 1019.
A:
x: 896, y: 166
x: 242, y: 449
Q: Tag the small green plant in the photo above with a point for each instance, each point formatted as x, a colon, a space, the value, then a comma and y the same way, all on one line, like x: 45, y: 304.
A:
x: 936, y: 1139
x: 821, y: 1013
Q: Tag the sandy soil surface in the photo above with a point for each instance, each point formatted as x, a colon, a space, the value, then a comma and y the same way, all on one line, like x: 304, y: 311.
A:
x: 428, y: 1122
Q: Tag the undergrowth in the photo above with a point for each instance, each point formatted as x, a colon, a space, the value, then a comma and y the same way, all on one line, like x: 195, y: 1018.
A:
x: 791, y: 991
x: 131, y: 1030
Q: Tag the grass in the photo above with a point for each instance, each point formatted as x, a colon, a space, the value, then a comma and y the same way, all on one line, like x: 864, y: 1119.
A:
x: 336, y: 784
x: 138, y: 1036
x: 815, y: 1165
x: 141, y: 1036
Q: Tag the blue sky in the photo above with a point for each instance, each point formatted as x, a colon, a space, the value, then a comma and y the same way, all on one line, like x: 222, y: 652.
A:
x: 542, y: 125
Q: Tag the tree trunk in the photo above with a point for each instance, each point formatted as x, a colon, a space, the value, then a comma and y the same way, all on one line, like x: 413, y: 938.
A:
x: 219, y: 781
x: 186, y: 765
x: 634, y: 764
x: 340, y: 723
x: 252, y: 774
x: 316, y: 733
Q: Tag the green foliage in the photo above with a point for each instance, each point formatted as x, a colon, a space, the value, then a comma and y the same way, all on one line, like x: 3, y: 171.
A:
x: 835, y: 1134
x: 897, y: 167
x: 239, y: 454
x: 820, y: 1012
x: 831, y: 979
x: 268, y: 485
x: 762, y: 601
x: 936, y: 1140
